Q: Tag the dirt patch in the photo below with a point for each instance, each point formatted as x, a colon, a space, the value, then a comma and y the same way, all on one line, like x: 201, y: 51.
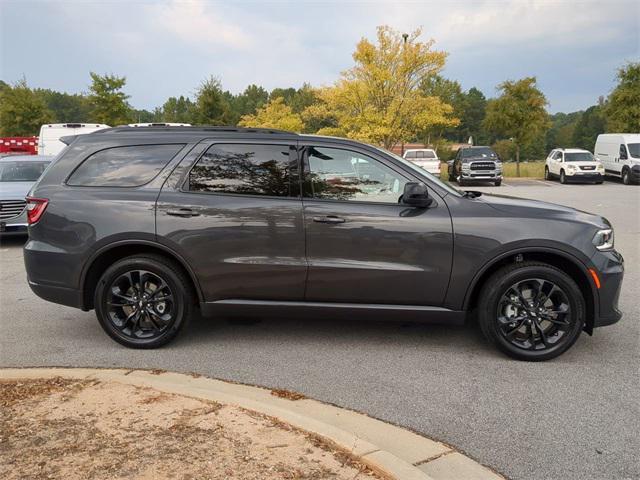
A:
x: 71, y: 429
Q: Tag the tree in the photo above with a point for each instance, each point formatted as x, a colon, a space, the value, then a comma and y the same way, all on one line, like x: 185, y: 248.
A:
x: 623, y: 105
x: 449, y: 92
x: 176, y: 110
x: 518, y: 113
x: 475, y: 105
x: 379, y: 100
x: 211, y: 105
x: 107, y: 100
x: 275, y: 115
x: 247, y: 102
x: 65, y: 107
x: 22, y: 112
x: 590, y: 124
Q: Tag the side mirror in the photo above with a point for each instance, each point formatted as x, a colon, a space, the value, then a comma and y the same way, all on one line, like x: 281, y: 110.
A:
x: 416, y: 194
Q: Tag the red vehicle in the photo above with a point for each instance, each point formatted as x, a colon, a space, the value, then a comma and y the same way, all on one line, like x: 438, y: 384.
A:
x: 18, y: 146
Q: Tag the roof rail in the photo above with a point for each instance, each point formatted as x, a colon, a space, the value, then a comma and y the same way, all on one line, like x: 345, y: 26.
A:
x: 199, y: 128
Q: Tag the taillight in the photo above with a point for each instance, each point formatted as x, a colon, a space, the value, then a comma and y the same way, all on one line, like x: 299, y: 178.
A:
x: 35, y: 209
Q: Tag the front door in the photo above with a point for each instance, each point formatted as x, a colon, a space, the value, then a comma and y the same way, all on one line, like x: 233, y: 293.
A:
x: 362, y: 245
x: 236, y: 217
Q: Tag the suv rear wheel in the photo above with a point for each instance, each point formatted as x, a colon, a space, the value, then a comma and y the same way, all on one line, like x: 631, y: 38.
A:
x: 546, y: 173
x: 143, y: 301
x: 531, y: 311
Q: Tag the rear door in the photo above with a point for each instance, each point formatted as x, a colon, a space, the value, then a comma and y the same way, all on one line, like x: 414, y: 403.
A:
x: 235, y: 214
x: 363, y: 246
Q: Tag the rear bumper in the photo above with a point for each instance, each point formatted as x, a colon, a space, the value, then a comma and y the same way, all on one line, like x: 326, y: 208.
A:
x: 64, y: 296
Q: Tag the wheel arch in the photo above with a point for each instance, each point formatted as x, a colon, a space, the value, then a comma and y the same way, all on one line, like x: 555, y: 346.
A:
x: 113, y: 252
x: 560, y: 259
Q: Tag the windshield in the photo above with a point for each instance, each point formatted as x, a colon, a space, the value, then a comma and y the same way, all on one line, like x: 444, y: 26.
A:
x: 476, y: 152
x: 578, y: 157
x: 634, y: 149
x: 11, y: 171
x: 423, y: 172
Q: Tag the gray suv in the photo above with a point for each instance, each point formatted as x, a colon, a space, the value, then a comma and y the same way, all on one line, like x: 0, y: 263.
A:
x: 145, y: 225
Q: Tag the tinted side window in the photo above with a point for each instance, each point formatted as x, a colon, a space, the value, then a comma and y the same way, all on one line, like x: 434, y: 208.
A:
x: 246, y: 169
x: 411, y: 154
x: 123, y: 166
x: 345, y: 175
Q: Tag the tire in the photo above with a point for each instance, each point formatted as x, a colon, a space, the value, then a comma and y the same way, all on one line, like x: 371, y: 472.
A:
x: 563, y: 178
x: 154, y: 301
x: 497, y: 183
x: 599, y: 182
x: 547, y: 176
x: 498, y: 317
x: 462, y: 183
x: 626, y: 177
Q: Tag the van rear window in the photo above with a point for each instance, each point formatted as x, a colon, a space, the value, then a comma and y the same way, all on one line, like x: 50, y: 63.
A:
x: 129, y: 166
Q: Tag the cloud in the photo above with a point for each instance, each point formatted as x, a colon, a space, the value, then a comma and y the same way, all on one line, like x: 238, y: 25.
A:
x: 192, y: 22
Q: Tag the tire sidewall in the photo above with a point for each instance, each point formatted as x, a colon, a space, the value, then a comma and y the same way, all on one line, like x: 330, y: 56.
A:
x: 563, y: 178
x: 164, y: 272
x: 492, y: 295
x: 546, y: 173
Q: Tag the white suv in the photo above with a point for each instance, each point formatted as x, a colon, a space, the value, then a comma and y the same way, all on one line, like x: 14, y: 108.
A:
x: 573, y: 165
x: 425, y: 158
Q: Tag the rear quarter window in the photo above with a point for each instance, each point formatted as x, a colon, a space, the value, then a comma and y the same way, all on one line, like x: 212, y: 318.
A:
x: 129, y: 166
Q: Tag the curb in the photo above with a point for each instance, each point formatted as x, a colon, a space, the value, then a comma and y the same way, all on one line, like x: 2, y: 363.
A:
x: 385, y: 448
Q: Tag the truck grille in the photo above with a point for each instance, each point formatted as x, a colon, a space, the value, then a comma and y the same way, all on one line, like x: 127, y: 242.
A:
x: 587, y: 167
x: 482, y: 166
x: 11, y: 208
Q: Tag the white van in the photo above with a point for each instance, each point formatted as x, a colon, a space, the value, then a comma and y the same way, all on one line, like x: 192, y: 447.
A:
x: 426, y: 158
x: 49, y: 142
x: 620, y: 155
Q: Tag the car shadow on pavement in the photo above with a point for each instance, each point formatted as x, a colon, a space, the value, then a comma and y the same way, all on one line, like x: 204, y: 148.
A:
x: 353, y: 332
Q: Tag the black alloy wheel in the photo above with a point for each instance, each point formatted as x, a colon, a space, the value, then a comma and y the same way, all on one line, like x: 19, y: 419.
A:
x: 143, y: 302
x: 531, y: 311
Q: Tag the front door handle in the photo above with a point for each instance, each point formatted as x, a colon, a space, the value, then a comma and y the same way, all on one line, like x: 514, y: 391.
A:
x: 328, y: 219
x: 182, y: 212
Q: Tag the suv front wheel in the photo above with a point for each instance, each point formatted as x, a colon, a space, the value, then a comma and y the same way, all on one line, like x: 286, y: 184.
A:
x: 143, y: 301
x: 531, y: 311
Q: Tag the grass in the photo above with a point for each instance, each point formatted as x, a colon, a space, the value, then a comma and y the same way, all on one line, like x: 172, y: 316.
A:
x: 527, y: 170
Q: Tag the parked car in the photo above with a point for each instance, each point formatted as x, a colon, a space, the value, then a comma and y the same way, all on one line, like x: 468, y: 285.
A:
x: 145, y: 225
x: 475, y: 164
x: 620, y: 155
x: 49, y: 141
x: 18, y: 173
x: 573, y: 165
x: 426, y: 158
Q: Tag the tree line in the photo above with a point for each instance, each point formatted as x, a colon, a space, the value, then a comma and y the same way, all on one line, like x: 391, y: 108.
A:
x: 394, y: 93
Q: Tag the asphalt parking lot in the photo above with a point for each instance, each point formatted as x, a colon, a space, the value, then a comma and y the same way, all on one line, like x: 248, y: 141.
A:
x: 576, y: 417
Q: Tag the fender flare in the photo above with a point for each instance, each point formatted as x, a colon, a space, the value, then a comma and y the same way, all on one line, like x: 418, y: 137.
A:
x: 139, y: 242
x: 561, y: 253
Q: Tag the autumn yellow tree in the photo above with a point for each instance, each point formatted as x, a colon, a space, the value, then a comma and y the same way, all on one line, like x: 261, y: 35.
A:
x: 275, y: 114
x: 379, y: 100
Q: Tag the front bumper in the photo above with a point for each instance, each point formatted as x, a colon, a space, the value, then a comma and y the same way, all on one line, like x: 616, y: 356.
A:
x: 584, y: 177
x: 610, y: 269
x: 14, y: 225
x: 481, y: 176
x: 635, y: 174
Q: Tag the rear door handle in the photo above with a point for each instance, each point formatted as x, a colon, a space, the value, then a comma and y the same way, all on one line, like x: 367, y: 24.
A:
x: 182, y: 212
x: 328, y: 219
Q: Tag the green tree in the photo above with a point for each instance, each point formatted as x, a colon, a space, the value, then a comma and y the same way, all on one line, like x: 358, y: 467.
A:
x: 212, y: 105
x: 590, y: 124
x: 475, y: 106
x: 449, y: 92
x: 176, y: 110
x: 519, y: 113
x: 107, y: 100
x: 66, y: 108
x: 276, y: 114
x: 622, y: 110
x: 22, y: 111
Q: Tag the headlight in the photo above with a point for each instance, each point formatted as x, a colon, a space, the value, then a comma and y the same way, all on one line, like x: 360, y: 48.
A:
x: 571, y: 168
x: 603, y: 239
x: 600, y: 167
x: 465, y: 166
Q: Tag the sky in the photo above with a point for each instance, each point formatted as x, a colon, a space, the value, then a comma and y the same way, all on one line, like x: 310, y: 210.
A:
x: 167, y: 48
